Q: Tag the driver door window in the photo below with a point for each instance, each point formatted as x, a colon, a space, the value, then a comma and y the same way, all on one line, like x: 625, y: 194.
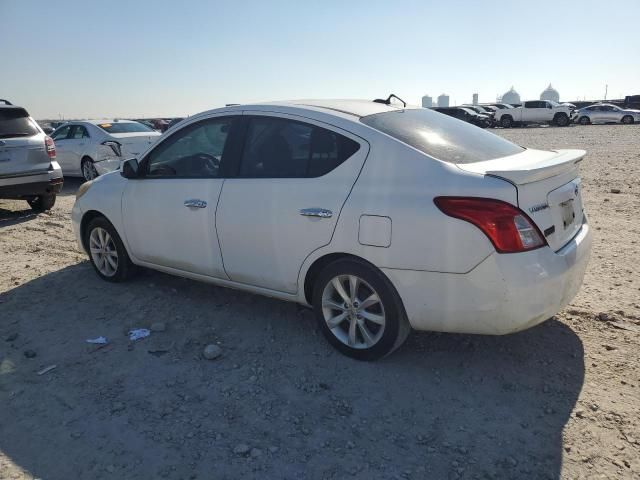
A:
x: 194, y: 152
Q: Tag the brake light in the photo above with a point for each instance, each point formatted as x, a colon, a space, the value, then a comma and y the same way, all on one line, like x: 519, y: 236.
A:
x: 116, y: 147
x: 50, y: 147
x: 509, y: 228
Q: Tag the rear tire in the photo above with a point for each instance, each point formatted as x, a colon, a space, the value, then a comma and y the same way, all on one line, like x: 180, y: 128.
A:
x: 584, y: 120
x: 506, y: 121
x: 106, y: 251
x: 359, y: 311
x: 42, y: 203
x: 627, y: 119
x: 89, y: 171
x: 561, y: 120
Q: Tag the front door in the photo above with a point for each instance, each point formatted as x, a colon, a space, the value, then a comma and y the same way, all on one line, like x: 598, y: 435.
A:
x: 293, y: 179
x: 169, y: 212
x: 75, y: 147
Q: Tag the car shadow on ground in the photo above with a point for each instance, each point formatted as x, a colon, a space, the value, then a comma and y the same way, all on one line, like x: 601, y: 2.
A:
x: 278, y: 403
x: 9, y: 216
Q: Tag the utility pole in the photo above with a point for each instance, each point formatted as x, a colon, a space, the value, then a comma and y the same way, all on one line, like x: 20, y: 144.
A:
x: 606, y: 89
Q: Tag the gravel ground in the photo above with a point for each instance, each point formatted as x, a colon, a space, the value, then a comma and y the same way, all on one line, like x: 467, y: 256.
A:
x: 558, y: 401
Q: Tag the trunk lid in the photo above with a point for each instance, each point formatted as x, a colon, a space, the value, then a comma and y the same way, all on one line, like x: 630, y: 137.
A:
x: 135, y: 143
x: 549, y: 189
x: 23, y: 155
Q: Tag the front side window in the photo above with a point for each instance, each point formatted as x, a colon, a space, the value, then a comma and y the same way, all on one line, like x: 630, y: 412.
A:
x: 61, y: 133
x: 280, y: 148
x: 441, y: 137
x: 193, y: 152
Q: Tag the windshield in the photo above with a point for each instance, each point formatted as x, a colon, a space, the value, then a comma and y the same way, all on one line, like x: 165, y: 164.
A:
x: 124, y: 127
x: 442, y: 137
x: 15, y: 122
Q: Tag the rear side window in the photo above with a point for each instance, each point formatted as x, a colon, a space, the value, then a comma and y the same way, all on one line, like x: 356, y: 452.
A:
x: 15, y: 122
x: 124, y: 127
x: 442, y: 137
x: 280, y: 148
x: 78, y: 132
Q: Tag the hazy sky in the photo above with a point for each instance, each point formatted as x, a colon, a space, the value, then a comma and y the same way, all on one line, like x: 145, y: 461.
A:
x: 161, y: 58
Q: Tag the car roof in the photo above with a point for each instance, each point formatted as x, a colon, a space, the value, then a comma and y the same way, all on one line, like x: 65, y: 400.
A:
x: 350, y: 109
x: 100, y: 122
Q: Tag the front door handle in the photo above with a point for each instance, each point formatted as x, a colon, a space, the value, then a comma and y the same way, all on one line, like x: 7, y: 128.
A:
x: 195, y: 203
x: 316, y: 212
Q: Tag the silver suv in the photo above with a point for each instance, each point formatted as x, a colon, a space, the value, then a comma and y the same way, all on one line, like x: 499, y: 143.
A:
x: 28, y: 167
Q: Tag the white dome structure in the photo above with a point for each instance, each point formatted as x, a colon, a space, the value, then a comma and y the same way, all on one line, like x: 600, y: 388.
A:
x: 550, y: 94
x: 511, y: 96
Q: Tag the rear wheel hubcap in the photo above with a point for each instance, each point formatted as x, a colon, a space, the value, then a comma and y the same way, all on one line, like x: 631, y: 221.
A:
x: 353, y: 311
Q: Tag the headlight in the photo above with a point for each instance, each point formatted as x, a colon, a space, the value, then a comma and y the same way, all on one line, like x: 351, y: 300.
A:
x: 83, y: 189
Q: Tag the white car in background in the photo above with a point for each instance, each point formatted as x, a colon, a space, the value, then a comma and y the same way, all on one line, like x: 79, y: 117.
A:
x: 95, y: 147
x: 606, y: 113
x: 379, y: 216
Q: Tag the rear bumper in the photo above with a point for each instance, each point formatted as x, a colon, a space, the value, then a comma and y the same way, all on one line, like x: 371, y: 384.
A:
x: 40, y: 183
x: 505, y: 293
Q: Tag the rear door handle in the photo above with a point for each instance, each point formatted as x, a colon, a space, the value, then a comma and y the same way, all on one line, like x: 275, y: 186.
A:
x: 316, y: 212
x: 195, y: 203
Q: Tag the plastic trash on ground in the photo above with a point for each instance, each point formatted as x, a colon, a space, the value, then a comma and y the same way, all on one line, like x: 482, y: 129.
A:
x: 138, y: 333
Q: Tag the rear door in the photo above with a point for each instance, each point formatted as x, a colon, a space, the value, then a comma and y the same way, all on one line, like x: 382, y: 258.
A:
x: 293, y: 178
x: 76, y: 145
x: 22, y: 147
x: 169, y: 213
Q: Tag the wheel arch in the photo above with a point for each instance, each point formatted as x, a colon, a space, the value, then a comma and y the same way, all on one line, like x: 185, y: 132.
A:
x: 86, y: 219
x: 321, y: 262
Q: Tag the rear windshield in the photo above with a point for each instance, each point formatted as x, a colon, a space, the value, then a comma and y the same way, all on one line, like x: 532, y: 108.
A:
x: 124, y: 127
x: 442, y: 137
x: 15, y: 122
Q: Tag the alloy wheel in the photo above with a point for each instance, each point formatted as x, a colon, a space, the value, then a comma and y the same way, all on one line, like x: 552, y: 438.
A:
x: 89, y: 171
x: 103, y: 252
x: 353, y: 311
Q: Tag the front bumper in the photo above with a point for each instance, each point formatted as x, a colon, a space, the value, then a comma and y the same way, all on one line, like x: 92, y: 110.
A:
x: 505, y: 293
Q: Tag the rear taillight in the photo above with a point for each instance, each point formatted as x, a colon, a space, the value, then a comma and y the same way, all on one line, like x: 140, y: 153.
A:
x: 116, y: 147
x: 50, y: 147
x: 509, y: 228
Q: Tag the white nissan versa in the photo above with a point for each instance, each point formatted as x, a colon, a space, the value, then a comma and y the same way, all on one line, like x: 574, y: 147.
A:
x: 379, y: 216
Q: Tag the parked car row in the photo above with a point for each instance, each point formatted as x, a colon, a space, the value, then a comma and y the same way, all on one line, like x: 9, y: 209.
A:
x: 540, y: 112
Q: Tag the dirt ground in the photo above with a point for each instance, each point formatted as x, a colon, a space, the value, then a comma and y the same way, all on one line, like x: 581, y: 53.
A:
x: 558, y: 401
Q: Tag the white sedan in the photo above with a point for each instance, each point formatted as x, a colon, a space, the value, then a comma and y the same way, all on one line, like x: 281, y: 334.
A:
x: 94, y: 147
x: 380, y: 217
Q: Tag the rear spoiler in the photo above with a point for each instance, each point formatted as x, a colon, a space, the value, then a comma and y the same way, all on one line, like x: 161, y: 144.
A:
x: 528, y: 166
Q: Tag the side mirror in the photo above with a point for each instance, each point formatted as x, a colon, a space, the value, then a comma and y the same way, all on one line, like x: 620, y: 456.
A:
x: 549, y: 105
x: 129, y: 168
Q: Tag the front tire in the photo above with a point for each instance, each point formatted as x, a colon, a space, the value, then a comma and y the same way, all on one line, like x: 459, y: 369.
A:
x: 359, y: 311
x: 627, y: 119
x: 584, y: 120
x: 561, y: 120
x: 106, y: 251
x: 89, y: 171
x: 506, y: 122
x: 42, y: 203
